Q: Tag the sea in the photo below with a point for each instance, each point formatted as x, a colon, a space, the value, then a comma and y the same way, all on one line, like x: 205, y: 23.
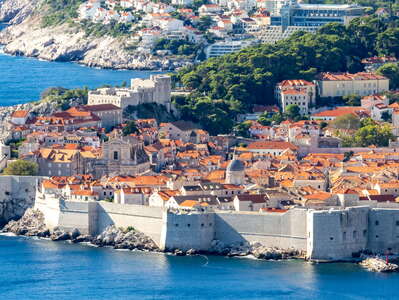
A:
x: 23, y: 79
x: 40, y: 269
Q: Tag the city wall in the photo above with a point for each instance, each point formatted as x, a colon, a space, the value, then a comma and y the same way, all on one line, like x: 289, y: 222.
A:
x: 17, y: 193
x: 282, y: 230
x: 322, y: 234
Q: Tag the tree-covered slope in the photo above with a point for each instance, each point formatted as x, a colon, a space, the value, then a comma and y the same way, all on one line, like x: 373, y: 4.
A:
x: 238, y: 80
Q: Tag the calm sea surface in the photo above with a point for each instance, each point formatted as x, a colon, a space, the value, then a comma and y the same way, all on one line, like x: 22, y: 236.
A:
x: 23, y: 79
x: 37, y: 269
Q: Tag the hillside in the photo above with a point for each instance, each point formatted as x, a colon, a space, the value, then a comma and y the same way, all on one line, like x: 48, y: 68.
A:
x: 225, y: 86
x: 43, y: 30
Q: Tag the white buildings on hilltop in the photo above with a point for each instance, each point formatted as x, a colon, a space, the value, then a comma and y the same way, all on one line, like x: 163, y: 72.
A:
x: 182, y: 2
x: 290, y: 16
x: 226, y: 47
x: 157, y: 89
x: 298, y: 92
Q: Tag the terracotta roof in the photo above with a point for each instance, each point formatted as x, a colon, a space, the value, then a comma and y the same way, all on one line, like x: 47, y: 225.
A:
x: 349, y: 77
x: 20, y: 114
x: 295, y: 83
x: 100, y: 107
x: 271, y: 145
x: 340, y: 111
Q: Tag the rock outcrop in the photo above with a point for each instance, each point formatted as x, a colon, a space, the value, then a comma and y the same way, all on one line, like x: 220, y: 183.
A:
x: 15, y: 11
x: 125, y: 239
x: 31, y: 224
x: 64, y: 42
x: 378, y: 265
x: 244, y: 249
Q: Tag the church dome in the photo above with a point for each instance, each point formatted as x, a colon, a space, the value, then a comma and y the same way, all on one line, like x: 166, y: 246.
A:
x: 235, y: 166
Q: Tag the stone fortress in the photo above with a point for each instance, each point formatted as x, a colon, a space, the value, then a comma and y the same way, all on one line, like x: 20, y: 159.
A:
x: 157, y: 89
x: 336, y: 233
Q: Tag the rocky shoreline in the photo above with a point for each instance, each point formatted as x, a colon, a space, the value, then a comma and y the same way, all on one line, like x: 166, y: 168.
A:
x: 376, y: 264
x: 32, y: 225
x: 26, y: 37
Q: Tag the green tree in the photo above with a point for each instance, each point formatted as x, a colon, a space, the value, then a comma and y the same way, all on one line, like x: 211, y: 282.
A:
x: 264, y: 120
x: 386, y: 116
x: 388, y: 42
x: 242, y: 129
x: 293, y: 112
x: 277, y: 118
x: 22, y: 168
x: 348, y: 155
x: 352, y: 100
x: 130, y: 128
x: 378, y: 135
x: 204, y: 23
x: 390, y: 71
x: 348, y: 121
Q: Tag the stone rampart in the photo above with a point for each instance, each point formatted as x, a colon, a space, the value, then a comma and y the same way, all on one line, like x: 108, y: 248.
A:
x: 17, y: 194
x: 383, y: 234
x: 282, y: 230
x: 146, y: 219
x: 188, y: 231
x: 337, y: 234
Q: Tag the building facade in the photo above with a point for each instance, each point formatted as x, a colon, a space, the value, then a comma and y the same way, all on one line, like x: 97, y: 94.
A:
x: 344, y: 84
x: 157, y: 90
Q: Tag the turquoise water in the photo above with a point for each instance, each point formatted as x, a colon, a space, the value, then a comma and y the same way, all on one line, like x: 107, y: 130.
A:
x: 22, y: 79
x: 37, y: 269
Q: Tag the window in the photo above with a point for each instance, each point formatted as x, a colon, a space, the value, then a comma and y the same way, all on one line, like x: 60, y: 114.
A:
x: 377, y: 223
x: 188, y: 225
x: 344, y: 236
x: 397, y: 223
x: 364, y: 233
x: 116, y: 155
x: 331, y: 238
x: 354, y: 234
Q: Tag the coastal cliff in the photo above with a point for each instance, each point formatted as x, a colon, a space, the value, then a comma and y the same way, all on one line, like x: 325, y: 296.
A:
x: 26, y: 36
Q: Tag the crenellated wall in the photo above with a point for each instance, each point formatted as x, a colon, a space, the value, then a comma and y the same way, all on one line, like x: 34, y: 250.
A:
x: 323, y: 234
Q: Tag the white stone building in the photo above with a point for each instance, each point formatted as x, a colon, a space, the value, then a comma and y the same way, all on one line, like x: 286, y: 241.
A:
x: 344, y: 84
x: 157, y: 89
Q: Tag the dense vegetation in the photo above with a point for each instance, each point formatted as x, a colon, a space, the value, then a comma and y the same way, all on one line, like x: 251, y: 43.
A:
x: 60, y: 11
x: 64, y: 97
x: 230, y: 84
x: 177, y: 47
x: 130, y: 128
x: 368, y: 133
x: 21, y: 168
